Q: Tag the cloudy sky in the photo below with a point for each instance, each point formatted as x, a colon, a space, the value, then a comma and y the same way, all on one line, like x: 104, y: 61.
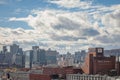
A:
x: 64, y: 25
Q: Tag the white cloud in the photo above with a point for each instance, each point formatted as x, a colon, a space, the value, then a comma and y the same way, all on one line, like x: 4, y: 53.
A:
x: 62, y: 24
x: 19, y: 35
x: 111, y: 22
x: 112, y: 19
x: 99, y: 26
x: 71, y: 3
x: 61, y: 27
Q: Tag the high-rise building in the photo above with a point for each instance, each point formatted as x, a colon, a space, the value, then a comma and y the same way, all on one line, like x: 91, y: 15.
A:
x: 35, y: 53
x: 61, y: 60
x: 51, y: 56
x: 114, y: 52
x: 83, y: 52
x: 31, y: 58
x: 69, y: 59
x: 41, y: 57
x: 2, y: 56
x: 4, y: 49
x: 35, y: 47
x: 18, y: 60
x: 8, y: 58
x: 20, y: 51
x: 28, y: 58
x: 14, y: 49
x: 66, y: 60
x: 13, y: 58
x: 77, y: 58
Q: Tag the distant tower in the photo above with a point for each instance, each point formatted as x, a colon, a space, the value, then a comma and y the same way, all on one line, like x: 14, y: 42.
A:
x: 4, y: 49
x: 118, y: 65
x: 41, y: 57
x: 14, y: 49
x: 35, y: 52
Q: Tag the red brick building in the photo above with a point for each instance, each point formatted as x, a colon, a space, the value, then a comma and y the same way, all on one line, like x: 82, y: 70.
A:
x: 39, y: 77
x: 54, y: 73
x: 61, y: 70
x: 97, y: 63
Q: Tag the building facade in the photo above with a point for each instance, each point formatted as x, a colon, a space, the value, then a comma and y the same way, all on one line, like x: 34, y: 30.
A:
x: 115, y: 52
x: 87, y: 77
x: 51, y: 56
x: 97, y: 63
x: 79, y: 56
x: 14, y: 48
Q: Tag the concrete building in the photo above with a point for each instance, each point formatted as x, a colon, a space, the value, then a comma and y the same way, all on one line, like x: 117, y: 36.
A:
x: 41, y: 57
x: 35, y: 53
x: 69, y: 59
x: 5, y: 60
x: 14, y: 49
x: 27, y: 59
x: 8, y: 59
x: 97, y: 63
x: 114, y: 52
x: 2, y: 56
x: 61, y: 60
x: 5, y: 49
x: 20, y: 61
x: 79, y: 58
x: 88, y: 77
x: 51, y: 56
x: 20, y: 51
x: 66, y: 60
x: 19, y: 75
x: 31, y: 58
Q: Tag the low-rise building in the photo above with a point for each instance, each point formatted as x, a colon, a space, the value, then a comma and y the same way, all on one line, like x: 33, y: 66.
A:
x: 19, y: 75
x: 39, y: 77
x: 88, y: 77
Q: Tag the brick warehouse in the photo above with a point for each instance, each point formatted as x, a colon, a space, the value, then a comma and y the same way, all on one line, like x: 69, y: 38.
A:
x: 39, y: 77
x: 97, y: 63
x: 61, y: 71
x: 50, y: 73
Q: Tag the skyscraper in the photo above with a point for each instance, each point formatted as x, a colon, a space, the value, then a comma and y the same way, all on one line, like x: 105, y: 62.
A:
x: 14, y: 49
x: 51, y: 56
x: 4, y: 49
x: 20, y: 51
x: 41, y: 57
x: 35, y: 52
x: 28, y: 58
x: 31, y: 58
x: 80, y: 56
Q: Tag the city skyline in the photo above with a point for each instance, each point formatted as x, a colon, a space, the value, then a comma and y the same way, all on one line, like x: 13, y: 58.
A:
x: 68, y: 25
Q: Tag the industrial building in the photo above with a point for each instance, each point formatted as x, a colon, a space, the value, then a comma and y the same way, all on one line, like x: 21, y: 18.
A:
x: 97, y: 63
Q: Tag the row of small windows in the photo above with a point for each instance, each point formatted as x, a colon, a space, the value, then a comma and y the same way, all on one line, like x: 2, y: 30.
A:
x: 84, y: 77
